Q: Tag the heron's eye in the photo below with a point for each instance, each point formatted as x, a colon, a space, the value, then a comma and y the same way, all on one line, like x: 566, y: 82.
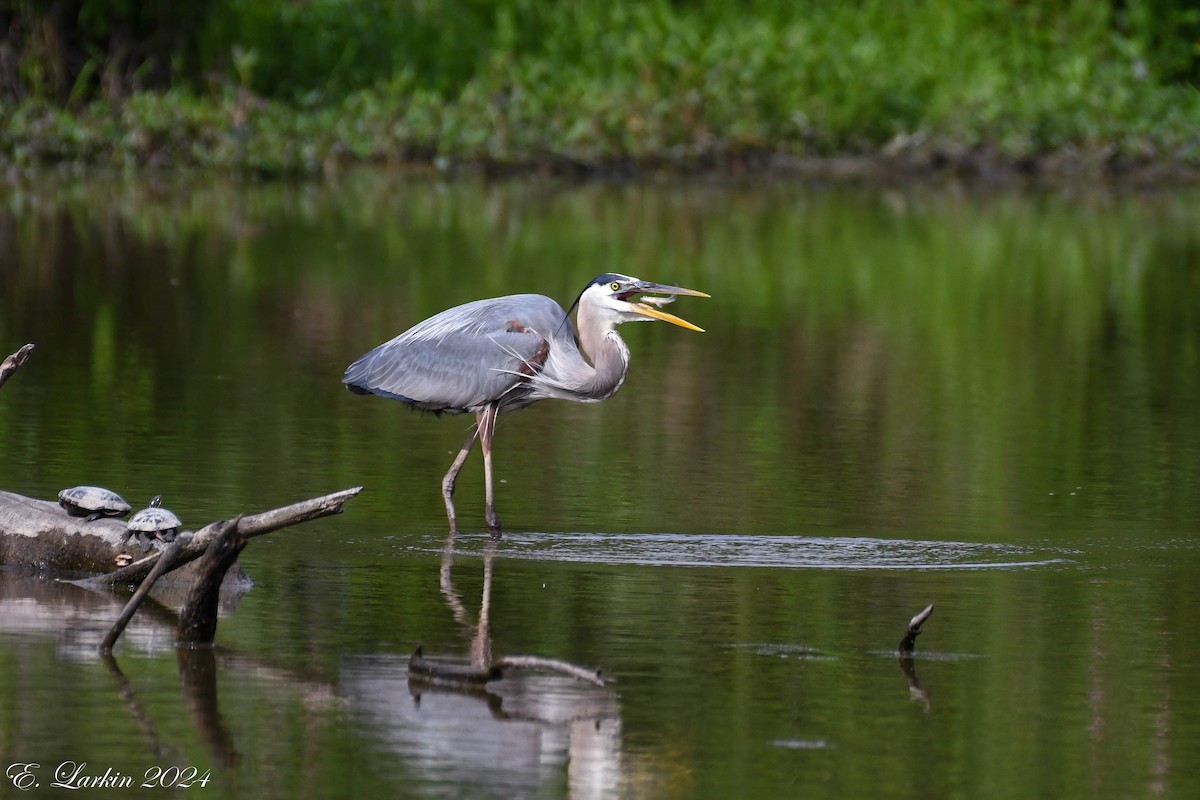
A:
x: 615, y: 286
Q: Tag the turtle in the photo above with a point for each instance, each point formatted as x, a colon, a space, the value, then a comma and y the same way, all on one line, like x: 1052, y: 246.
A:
x: 154, y: 521
x: 92, y: 502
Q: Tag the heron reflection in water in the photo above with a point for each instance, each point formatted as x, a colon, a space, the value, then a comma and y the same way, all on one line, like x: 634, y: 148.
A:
x: 509, y: 352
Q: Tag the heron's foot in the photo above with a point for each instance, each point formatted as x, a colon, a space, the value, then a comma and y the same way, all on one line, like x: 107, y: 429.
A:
x: 493, y: 523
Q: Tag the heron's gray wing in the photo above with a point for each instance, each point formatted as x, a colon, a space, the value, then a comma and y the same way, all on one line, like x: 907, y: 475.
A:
x: 465, y: 357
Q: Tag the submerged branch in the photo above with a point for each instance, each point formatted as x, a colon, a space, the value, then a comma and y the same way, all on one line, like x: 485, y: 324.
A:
x: 909, y: 642
x: 554, y: 665
x: 455, y: 674
x: 426, y: 669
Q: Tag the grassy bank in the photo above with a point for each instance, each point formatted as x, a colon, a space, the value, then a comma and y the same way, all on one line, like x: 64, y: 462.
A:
x: 292, y: 88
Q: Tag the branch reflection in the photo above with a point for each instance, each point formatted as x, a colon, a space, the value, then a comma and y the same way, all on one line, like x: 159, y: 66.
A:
x: 909, y: 668
x: 198, y: 670
x: 518, y: 733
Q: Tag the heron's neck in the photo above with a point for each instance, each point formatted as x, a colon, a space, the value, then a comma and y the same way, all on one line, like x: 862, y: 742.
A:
x: 609, y: 355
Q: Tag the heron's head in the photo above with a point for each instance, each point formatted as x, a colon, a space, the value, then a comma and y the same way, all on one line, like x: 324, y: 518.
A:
x: 621, y: 298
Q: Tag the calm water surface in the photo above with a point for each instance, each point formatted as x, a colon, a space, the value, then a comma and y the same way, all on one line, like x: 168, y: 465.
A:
x: 985, y: 401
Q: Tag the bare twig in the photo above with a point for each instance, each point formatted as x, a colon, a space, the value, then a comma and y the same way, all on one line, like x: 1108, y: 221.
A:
x: 13, y: 362
x: 161, y: 566
x: 909, y: 642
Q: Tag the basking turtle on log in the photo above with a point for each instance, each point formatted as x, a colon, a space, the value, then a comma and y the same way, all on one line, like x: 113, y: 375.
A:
x: 36, y: 536
x: 92, y: 502
x: 154, y: 522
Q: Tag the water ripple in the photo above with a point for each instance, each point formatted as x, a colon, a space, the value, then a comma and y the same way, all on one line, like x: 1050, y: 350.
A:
x: 796, y: 552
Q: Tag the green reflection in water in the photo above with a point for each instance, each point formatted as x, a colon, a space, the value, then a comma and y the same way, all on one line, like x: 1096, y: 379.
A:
x: 935, y: 365
x: 877, y: 360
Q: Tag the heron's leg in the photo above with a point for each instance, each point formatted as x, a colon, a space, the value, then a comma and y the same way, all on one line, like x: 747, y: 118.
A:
x: 452, y: 476
x: 487, y: 428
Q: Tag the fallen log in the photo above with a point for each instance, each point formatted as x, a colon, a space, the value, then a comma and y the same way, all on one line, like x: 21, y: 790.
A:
x: 38, y: 536
x: 222, y: 543
x: 249, y: 527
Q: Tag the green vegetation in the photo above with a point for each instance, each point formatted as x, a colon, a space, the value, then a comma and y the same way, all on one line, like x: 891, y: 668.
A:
x: 285, y: 87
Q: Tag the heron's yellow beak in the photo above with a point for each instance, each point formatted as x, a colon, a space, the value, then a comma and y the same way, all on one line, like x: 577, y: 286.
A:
x: 652, y: 306
x: 650, y: 311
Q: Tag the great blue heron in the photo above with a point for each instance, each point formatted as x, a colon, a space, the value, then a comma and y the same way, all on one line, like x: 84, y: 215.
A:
x: 509, y: 352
